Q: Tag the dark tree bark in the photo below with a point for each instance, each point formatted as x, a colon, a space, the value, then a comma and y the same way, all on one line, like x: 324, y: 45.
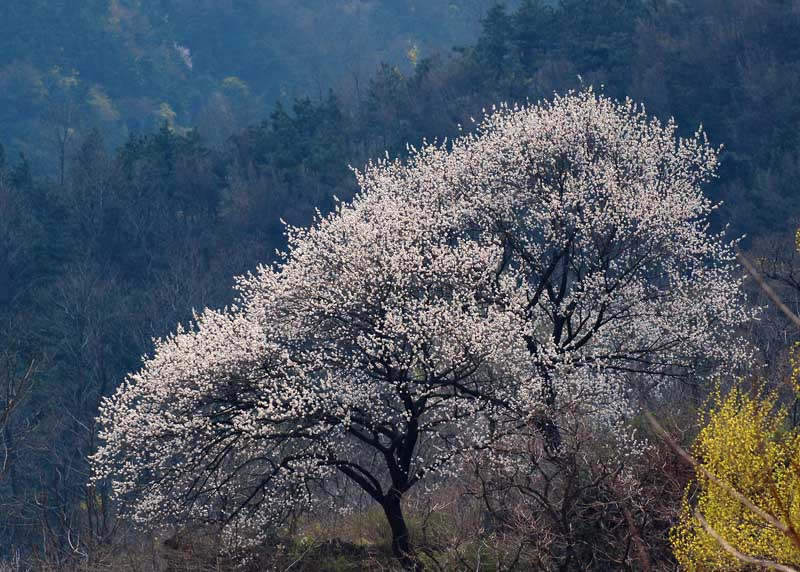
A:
x: 402, y: 548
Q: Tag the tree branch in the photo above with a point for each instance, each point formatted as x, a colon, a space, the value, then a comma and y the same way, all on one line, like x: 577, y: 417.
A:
x: 690, y: 460
x: 735, y: 553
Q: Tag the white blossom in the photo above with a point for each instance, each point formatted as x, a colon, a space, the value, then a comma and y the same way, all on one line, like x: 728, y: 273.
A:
x: 559, y: 257
x: 184, y: 54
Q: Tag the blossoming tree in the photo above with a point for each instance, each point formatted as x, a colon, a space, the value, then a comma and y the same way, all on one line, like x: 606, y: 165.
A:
x: 557, y: 257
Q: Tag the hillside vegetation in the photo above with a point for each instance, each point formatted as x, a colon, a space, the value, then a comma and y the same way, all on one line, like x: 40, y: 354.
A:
x: 151, y: 149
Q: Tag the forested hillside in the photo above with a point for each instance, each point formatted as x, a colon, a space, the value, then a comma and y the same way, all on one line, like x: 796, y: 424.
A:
x: 151, y: 150
x: 129, y: 66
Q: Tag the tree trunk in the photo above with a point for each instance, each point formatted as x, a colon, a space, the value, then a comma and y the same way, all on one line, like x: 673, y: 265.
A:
x: 401, y: 539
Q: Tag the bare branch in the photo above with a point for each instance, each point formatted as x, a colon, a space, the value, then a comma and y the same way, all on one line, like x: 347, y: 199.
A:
x: 735, y: 553
x: 690, y: 460
x: 768, y: 290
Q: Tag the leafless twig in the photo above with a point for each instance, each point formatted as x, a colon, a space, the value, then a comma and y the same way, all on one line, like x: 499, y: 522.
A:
x: 735, y: 553
x: 768, y: 290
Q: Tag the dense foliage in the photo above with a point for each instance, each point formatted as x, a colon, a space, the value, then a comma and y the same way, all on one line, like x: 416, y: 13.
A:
x: 128, y: 66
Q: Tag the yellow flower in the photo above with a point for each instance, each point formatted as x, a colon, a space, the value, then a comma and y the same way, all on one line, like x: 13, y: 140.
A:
x: 747, y: 444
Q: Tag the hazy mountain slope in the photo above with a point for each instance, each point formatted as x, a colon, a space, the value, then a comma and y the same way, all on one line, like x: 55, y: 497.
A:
x: 128, y: 65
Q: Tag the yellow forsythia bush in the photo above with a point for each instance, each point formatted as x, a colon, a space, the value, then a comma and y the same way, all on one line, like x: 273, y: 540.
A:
x: 748, y: 445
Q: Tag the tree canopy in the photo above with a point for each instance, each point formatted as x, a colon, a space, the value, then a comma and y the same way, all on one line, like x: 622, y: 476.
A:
x: 556, y: 259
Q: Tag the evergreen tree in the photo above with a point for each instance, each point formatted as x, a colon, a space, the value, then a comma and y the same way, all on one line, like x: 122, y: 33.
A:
x: 493, y: 47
